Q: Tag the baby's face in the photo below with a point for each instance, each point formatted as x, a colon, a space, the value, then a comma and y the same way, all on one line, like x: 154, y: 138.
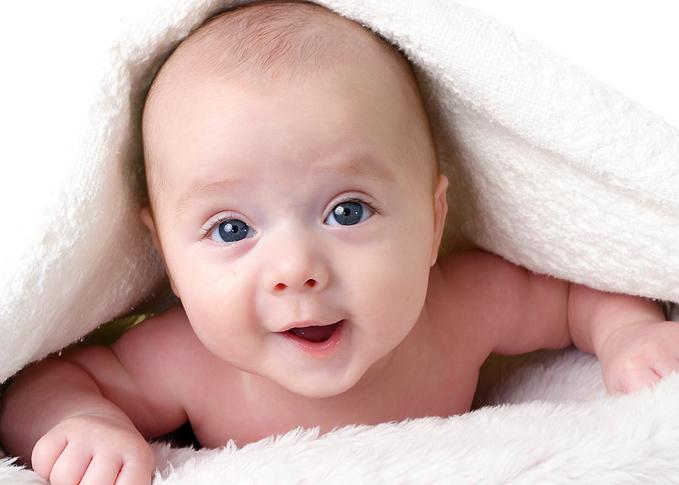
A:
x: 290, y: 205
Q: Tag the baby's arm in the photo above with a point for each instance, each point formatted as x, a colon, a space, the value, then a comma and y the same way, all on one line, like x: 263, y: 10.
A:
x: 513, y: 311
x: 523, y: 311
x: 85, y: 414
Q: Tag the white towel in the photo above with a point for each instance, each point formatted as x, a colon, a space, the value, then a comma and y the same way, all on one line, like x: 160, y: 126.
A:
x: 551, y: 167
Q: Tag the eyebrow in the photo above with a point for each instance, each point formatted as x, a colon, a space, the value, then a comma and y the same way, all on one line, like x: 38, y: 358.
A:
x: 362, y: 166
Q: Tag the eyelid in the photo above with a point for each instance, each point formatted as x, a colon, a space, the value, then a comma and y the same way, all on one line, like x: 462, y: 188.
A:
x: 215, y: 220
x: 352, y: 198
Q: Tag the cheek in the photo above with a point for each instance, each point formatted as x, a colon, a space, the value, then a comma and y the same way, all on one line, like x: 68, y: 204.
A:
x: 391, y: 284
x: 397, y: 265
x: 217, y: 300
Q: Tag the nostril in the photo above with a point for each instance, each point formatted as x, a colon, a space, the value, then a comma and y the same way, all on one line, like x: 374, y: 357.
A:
x: 310, y: 283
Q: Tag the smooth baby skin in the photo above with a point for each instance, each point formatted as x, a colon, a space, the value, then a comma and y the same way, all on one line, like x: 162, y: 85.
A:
x: 329, y: 179
x: 159, y: 375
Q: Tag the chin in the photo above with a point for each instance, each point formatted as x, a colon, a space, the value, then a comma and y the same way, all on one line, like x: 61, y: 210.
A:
x: 323, y: 387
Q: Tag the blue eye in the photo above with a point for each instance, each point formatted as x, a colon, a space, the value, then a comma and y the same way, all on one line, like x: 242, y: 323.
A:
x: 230, y: 230
x: 349, y: 213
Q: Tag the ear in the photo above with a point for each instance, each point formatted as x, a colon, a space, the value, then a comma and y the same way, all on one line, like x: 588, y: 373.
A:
x: 440, y: 212
x: 147, y: 219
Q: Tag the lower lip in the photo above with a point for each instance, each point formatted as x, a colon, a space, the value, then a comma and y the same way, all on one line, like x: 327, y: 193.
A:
x: 318, y: 348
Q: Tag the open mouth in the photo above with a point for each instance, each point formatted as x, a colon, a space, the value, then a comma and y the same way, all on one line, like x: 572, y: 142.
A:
x: 319, y: 340
x: 315, y: 333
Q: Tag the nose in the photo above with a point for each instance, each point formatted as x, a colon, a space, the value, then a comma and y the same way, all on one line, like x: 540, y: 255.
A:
x: 296, y: 265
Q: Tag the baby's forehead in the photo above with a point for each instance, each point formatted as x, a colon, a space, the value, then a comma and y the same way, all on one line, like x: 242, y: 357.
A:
x: 270, y: 42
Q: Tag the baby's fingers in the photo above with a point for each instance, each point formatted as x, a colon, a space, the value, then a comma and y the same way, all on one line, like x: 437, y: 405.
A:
x: 70, y: 466
x: 665, y: 366
x: 45, y: 453
x: 103, y: 470
x: 135, y: 472
x: 637, y: 379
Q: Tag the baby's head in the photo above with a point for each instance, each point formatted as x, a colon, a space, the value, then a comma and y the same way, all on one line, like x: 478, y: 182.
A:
x: 292, y: 182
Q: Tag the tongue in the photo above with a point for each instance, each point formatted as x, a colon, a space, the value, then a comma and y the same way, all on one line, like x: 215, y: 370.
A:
x: 314, y: 333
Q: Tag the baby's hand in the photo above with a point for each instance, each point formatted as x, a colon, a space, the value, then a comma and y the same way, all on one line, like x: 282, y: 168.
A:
x: 93, y: 450
x: 639, y: 355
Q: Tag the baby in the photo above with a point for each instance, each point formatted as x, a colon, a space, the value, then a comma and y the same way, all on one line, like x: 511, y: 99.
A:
x: 295, y: 198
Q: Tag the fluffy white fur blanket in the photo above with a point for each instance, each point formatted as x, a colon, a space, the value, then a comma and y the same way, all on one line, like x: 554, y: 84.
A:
x: 557, y: 425
x: 551, y: 168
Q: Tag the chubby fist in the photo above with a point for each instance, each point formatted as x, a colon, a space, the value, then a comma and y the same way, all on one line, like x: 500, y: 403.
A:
x: 93, y: 449
x: 639, y: 355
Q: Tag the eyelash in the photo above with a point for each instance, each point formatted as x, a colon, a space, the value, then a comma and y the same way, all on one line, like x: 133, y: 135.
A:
x: 358, y: 200
x: 210, y: 225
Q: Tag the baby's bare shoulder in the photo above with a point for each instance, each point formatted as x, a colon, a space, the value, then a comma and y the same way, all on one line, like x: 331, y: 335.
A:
x: 163, y: 344
x: 170, y: 329
x: 473, y: 266
x: 469, y: 293
x: 469, y: 275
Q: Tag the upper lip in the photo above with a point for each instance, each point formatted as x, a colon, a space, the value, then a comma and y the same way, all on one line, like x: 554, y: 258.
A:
x: 307, y: 323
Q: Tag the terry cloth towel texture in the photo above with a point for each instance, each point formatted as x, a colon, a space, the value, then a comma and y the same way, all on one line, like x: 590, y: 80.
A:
x: 551, y: 168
